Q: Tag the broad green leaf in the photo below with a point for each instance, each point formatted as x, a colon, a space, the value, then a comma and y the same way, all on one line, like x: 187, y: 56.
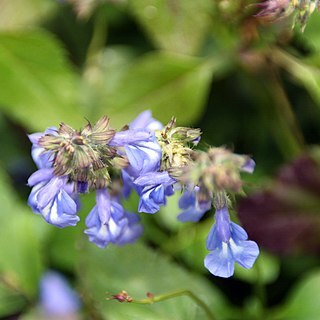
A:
x: 303, y: 302
x: 20, y: 246
x: 179, y: 26
x: 19, y: 14
x: 138, y: 270
x: 168, y: 84
x: 305, y: 74
x: 38, y: 87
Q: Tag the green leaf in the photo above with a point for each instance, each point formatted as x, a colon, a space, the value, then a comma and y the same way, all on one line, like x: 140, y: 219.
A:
x: 10, y: 301
x: 38, y: 87
x: 168, y: 84
x: 179, y: 26
x: 138, y: 270
x: 303, y: 302
x: 20, y: 246
x: 19, y: 14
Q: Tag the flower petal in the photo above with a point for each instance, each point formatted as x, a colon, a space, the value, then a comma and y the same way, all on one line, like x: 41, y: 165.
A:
x: 245, y: 253
x: 220, y: 262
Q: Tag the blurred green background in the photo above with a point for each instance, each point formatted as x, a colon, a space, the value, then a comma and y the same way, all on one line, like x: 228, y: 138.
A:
x: 251, y: 86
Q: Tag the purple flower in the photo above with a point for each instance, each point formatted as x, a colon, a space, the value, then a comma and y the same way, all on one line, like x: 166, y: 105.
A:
x: 145, y: 120
x: 41, y: 157
x: 193, y: 208
x: 153, y: 187
x: 142, y: 150
x: 53, y: 198
x: 109, y: 223
x: 132, y: 230
x: 249, y: 166
x: 228, y: 244
x: 57, y: 299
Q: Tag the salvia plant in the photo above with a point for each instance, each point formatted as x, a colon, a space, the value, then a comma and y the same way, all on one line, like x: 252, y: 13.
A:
x: 151, y: 159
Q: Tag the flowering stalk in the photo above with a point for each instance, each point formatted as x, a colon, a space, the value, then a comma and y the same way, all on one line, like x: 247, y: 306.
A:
x: 151, y: 298
x: 154, y: 160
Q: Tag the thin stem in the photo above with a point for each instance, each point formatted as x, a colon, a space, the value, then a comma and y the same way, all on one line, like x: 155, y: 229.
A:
x: 285, y: 109
x: 291, y: 135
x: 259, y: 287
x: 152, y: 299
x: 99, y: 35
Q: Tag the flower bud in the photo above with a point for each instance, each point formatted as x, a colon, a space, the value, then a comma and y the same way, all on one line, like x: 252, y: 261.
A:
x: 84, y: 156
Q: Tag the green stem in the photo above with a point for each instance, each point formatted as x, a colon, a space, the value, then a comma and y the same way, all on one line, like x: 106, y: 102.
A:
x: 99, y: 35
x: 289, y: 133
x: 178, y: 293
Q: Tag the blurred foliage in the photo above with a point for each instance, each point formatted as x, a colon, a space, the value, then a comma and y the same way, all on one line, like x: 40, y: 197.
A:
x: 249, y: 85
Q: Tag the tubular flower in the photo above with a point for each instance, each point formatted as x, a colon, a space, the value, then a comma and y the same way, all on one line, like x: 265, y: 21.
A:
x: 194, y: 207
x: 228, y: 244
x: 53, y: 198
x: 153, y: 188
x: 145, y: 120
x: 41, y: 157
x: 141, y: 148
x: 109, y: 223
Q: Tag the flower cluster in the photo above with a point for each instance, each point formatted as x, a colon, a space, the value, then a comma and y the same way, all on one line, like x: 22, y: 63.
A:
x: 273, y: 10
x: 153, y: 160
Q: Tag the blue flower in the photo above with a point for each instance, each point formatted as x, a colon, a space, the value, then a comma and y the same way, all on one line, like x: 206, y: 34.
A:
x: 141, y: 148
x: 57, y: 299
x: 109, y: 223
x: 53, y: 198
x: 41, y: 157
x: 228, y: 244
x: 248, y: 166
x: 145, y: 120
x: 153, y: 187
x: 132, y: 230
x: 193, y: 208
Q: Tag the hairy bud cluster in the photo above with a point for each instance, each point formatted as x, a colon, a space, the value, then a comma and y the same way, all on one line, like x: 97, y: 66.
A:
x: 304, y: 9
x: 176, y: 143
x: 84, y: 156
x: 274, y: 10
x: 216, y: 170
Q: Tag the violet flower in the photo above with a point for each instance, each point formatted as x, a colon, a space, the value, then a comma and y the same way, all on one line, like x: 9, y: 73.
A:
x: 57, y: 299
x: 193, y: 208
x: 153, y: 187
x: 41, y: 157
x: 109, y: 223
x: 228, y: 244
x: 53, y: 198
